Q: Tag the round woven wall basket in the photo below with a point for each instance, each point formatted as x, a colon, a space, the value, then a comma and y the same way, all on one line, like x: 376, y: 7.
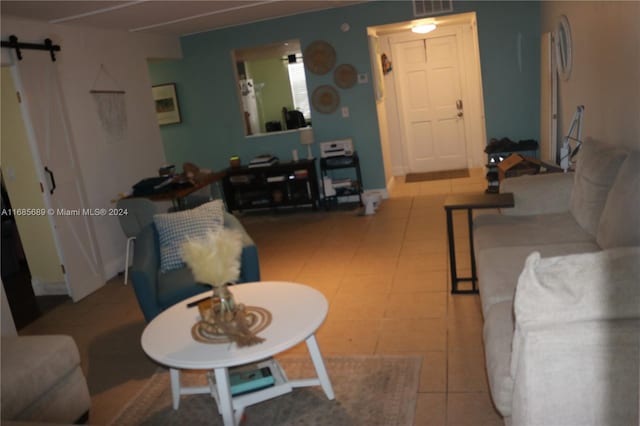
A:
x: 345, y: 76
x: 319, y: 57
x: 325, y: 99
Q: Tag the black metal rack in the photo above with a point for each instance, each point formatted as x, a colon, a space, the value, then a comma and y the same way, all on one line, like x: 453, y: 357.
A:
x: 353, y: 187
x: 289, y: 184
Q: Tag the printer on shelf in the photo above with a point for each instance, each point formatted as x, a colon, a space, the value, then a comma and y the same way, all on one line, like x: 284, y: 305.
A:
x: 336, y: 148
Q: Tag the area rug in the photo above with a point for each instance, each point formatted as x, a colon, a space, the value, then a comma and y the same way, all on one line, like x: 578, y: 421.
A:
x: 369, y: 390
x: 445, y: 174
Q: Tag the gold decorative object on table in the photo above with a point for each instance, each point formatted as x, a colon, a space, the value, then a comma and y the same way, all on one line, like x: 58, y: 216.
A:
x: 215, y: 260
x: 242, y: 327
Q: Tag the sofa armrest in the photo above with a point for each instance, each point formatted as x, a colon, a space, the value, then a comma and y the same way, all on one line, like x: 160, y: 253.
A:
x: 539, y: 194
x: 144, y: 271
x: 581, y: 373
x: 577, y: 339
x: 42, y: 380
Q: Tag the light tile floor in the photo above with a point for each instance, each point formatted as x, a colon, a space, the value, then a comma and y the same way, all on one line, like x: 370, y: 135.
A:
x: 385, y: 275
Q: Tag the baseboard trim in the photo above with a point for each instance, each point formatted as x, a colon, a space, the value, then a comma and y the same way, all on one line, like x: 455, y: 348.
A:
x: 398, y: 171
x: 382, y: 191
x: 114, y: 267
x: 50, y: 288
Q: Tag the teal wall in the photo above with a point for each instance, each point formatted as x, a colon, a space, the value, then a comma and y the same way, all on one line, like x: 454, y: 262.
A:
x: 212, y: 128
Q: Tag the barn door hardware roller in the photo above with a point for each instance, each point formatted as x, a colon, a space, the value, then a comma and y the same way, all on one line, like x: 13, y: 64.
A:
x: 48, y: 45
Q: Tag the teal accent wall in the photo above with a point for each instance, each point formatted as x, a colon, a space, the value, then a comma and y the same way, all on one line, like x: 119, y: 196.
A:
x: 212, y: 129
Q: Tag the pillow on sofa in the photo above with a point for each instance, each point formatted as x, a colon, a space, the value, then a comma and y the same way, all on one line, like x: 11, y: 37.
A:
x: 579, y: 287
x: 620, y: 221
x: 597, y: 168
x: 175, y: 228
x: 575, y: 346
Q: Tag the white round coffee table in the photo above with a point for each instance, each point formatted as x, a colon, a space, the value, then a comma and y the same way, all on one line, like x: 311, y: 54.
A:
x: 297, y: 312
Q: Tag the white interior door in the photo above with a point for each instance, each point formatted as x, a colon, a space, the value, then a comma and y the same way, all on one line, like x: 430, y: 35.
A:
x: 430, y: 102
x: 54, y: 152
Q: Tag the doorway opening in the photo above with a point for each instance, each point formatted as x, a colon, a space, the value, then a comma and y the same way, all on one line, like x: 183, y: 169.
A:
x: 30, y: 261
x: 429, y: 101
x: 61, y: 245
x: 16, y: 276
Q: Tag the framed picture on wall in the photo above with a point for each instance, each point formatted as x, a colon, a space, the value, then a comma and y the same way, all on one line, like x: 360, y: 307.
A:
x: 166, y: 102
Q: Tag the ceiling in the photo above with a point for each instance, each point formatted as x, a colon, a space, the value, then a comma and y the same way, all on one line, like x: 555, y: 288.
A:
x: 170, y: 17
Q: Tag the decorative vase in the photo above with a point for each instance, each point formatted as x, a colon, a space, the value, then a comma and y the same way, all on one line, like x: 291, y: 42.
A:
x: 224, y: 305
x: 220, y: 310
x: 222, y: 320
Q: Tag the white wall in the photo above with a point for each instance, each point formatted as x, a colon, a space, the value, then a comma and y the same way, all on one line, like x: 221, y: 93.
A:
x: 7, y: 326
x: 392, y: 122
x: 606, y: 68
x: 107, y: 169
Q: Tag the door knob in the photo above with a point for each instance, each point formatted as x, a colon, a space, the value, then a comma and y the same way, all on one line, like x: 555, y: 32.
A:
x: 460, y: 114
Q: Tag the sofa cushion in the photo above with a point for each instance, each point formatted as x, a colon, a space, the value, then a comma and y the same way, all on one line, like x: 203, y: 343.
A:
x: 498, y: 336
x: 499, y: 268
x: 620, y: 221
x: 175, y: 228
x: 579, y: 287
x: 495, y: 230
x: 538, y: 194
x: 596, y: 169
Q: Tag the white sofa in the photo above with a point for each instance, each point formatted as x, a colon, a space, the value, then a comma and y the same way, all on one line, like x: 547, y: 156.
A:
x: 42, y: 381
x: 559, y: 280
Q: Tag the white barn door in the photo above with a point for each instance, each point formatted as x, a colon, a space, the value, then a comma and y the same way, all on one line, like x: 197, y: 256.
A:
x: 51, y: 140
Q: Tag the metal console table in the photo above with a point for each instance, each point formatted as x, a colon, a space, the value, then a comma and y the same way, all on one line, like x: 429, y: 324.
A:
x: 469, y: 202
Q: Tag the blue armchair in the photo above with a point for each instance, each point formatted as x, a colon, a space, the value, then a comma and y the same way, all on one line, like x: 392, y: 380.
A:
x: 157, y: 291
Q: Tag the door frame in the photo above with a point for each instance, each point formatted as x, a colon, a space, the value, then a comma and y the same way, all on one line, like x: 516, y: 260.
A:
x: 471, y: 82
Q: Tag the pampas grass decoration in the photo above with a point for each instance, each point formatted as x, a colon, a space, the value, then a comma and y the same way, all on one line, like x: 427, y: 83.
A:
x: 214, y: 259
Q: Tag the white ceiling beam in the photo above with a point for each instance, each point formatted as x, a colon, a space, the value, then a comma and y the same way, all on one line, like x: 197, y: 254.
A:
x: 97, y: 11
x: 202, y: 15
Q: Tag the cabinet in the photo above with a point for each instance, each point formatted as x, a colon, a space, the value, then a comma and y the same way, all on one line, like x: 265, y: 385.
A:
x: 341, y: 178
x: 288, y: 184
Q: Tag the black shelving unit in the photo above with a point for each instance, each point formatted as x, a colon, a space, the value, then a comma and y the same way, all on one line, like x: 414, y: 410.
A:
x: 290, y: 184
x: 493, y: 180
x: 344, y: 186
x: 495, y: 158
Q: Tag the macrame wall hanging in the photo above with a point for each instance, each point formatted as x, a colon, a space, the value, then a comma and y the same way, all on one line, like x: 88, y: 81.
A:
x: 111, y: 107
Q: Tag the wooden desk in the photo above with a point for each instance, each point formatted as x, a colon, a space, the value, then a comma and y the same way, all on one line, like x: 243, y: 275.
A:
x: 177, y: 196
x: 469, y: 202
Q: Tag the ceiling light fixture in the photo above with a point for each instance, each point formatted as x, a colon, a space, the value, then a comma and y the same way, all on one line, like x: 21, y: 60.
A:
x: 423, y: 28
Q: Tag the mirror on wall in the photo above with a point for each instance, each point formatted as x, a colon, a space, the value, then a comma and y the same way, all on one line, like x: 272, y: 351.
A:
x: 563, y: 42
x: 272, y: 87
